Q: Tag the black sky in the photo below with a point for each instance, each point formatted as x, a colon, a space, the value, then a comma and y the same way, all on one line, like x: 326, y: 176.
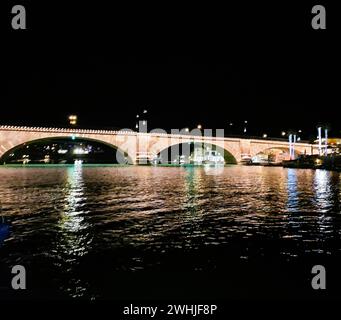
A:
x: 200, y: 64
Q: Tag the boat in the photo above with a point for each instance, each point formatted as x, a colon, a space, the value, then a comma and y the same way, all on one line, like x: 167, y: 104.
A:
x: 213, y: 158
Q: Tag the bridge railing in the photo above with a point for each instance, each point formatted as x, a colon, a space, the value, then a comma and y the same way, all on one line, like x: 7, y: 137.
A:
x: 113, y: 130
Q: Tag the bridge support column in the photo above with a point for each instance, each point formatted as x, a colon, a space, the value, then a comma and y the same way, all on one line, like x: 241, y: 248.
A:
x: 245, y: 150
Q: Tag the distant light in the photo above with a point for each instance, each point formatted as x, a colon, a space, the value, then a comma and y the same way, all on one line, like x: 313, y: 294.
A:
x: 62, y: 151
x: 231, y: 124
x: 318, y: 161
x: 245, y: 121
x: 186, y: 129
x: 145, y: 111
x: 137, y: 116
x: 137, y: 126
x: 283, y: 133
x: 299, y: 131
x: 265, y: 135
x: 199, y: 126
x: 73, y: 137
x: 144, y: 122
x: 73, y: 119
x: 80, y: 151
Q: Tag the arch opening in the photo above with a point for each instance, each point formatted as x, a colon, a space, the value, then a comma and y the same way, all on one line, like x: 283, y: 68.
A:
x: 65, y: 150
x: 194, y: 153
x: 274, y: 155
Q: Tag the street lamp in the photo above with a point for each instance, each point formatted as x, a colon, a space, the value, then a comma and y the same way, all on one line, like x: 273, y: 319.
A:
x: 141, y: 118
x: 199, y: 126
x: 283, y: 133
x: 265, y: 135
x: 245, y: 124
x: 73, y: 119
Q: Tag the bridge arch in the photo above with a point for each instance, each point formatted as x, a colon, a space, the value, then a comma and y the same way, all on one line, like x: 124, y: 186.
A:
x: 168, y: 152
x: 121, y: 155
x: 275, y: 153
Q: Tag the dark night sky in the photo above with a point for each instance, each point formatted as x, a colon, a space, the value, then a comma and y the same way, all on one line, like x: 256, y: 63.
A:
x: 208, y: 65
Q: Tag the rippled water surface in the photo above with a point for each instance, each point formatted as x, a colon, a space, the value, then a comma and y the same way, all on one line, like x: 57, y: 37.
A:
x: 79, y: 229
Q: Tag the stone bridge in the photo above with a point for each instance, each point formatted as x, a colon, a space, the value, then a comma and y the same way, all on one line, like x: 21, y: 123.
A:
x: 134, y: 144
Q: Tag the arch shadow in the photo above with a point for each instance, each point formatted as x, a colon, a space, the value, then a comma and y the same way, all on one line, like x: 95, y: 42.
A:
x: 121, y: 156
x: 189, y: 149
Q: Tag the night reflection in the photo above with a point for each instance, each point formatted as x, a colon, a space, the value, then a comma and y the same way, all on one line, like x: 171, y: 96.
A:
x: 75, y: 240
x: 293, y: 194
x: 98, y: 222
x: 323, y: 190
x: 192, y: 186
x: 72, y: 218
x: 193, y: 202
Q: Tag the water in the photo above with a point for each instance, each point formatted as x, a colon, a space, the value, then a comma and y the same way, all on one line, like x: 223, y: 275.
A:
x: 118, y: 232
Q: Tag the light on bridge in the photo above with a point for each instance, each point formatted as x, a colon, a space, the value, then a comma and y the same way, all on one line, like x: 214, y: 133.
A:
x: 73, y: 119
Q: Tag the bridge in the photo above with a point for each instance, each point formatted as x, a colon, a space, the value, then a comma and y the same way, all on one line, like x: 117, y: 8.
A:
x: 134, y: 145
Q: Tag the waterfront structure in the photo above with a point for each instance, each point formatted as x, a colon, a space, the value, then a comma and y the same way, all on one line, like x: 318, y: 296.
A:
x: 138, y: 146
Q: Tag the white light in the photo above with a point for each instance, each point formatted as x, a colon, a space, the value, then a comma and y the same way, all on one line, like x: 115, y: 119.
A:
x: 265, y: 135
x: 61, y: 151
x: 80, y: 151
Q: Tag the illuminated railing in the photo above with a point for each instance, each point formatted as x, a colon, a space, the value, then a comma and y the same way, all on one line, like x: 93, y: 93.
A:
x: 153, y: 134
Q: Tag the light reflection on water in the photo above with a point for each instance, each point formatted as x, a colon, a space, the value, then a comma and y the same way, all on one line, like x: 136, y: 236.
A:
x: 74, y: 241
x: 79, y: 221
